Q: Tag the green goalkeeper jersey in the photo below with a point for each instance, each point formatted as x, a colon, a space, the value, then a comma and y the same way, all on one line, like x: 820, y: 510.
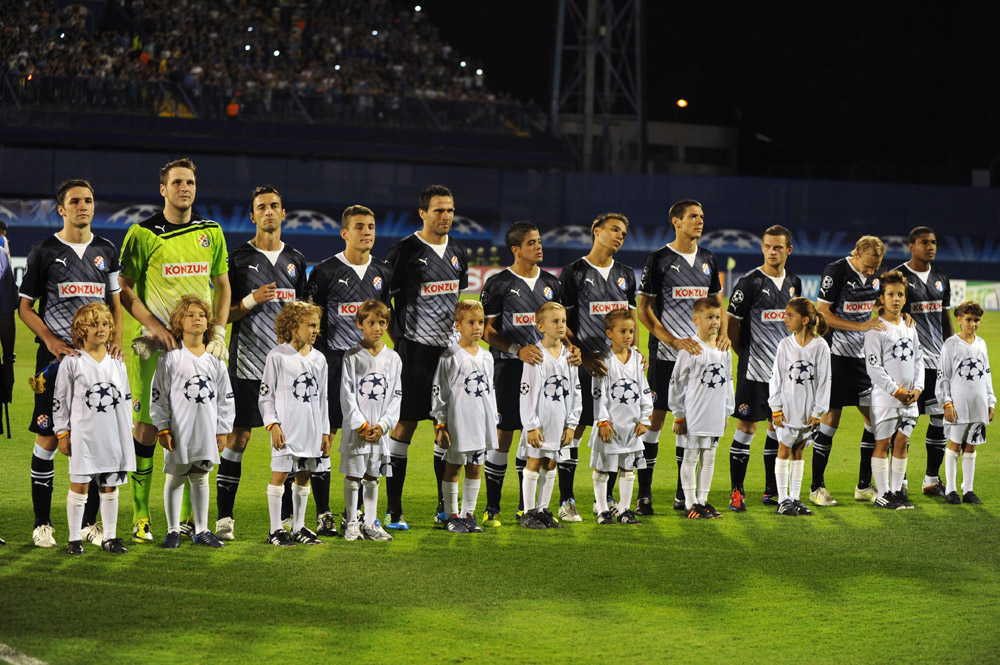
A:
x: 168, y: 261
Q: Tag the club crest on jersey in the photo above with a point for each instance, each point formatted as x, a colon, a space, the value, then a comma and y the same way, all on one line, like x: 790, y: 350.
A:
x: 939, y: 286
x: 744, y: 409
x: 43, y: 421
x: 791, y: 291
x: 101, y: 265
x: 622, y: 284
x: 705, y: 269
x: 875, y: 283
x: 203, y: 240
x: 377, y: 283
x: 136, y: 405
x: 455, y: 263
x: 291, y: 270
x: 547, y: 292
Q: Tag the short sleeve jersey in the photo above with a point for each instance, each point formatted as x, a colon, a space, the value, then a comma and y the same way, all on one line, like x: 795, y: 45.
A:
x: 336, y: 286
x: 588, y: 297
x: 928, y: 303
x: 253, y: 335
x: 758, y: 303
x: 167, y: 261
x: 63, y: 280
x: 511, y: 303
x: 851, y: 297
x: 425, y: 288
x: 676, y: 284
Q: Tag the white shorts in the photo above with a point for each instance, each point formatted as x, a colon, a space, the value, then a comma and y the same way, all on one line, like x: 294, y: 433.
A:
x: 293, y: 464
x: 359, y: 465
x: 790, y: 436
x: 110, y: 479
x: 526, y: 452
x: 887, y: 420
x: 607, y: 462
x: 184, y: 469
x: 475, y: 457
x: 696, y: 442
x: 971, y: 433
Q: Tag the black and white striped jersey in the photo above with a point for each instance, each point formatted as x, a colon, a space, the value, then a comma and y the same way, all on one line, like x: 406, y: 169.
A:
x: 511, y: 301
x: 928, y: 299
x: 759, y: 302
x: 64, y: 277
x: 676, y: 284
x: 425, y: 288
x: 851, y: 297
x: 253, y: 335
x: 588, y: 296
x: 339, y: 287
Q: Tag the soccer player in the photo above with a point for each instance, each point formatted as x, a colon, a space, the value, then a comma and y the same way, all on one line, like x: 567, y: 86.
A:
x: 8, y: 303
x: 896, y: 368
x: 192, y: 409
x: 293, y: 407
x: 756, y: 326
x: 266, y: 274
x: 464, y: 409
x: 593, y: 286
x: 429, y: 269
x: 92, y: 421
x: 550, y: 405
x: 847, y: 293
x: 672, y: 278
x: 799, y: 395
x: 966, y: 386
x: 370, y: 395
x: 510, y: 299
x: 339, y: 285
x: 64, y: 272
x: 701, y: 399
x: 172, y: 253
x: 928, y: 299
x: 622, y: 405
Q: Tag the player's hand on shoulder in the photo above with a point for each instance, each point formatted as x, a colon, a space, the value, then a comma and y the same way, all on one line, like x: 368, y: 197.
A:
x: 58, y: 348
x: 575, y: 355
x: 163, y: 337
x: 642, y: 359
x: 908, y: 320
x: 723, y: 343
x: 217, y: 345
x: 594, y: 366
x: 687, y: 344
x: 872, y: 324
x: 530, y: 354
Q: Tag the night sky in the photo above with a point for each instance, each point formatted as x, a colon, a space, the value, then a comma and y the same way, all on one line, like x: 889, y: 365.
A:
x: 893, y: 93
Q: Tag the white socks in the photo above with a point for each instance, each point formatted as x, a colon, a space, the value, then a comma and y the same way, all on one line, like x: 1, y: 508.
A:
x: 705, y: 474
x: 798, y: 468
x: 370, y: 497
x: 300, y: 497
x: 173, y: 494
x: 199, y: 500
x: 450, y: 493
x: 529, y: 484
x: 109, y: 513
x: 546, y: 481
x: 968, y: 471
x: 351, y: 488
x: 74, y: 513
x: 781, y: 470
x: 880, y: 474
x: 274, y: 493
x: 601, y: 491
x: 470, y: 495
x: 626, y: 482
x: 951, y: 471
x: 897, y: 471
x: 689, y: 475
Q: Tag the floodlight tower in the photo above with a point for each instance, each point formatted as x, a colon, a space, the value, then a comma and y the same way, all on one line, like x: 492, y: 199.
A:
x: 597, y: 96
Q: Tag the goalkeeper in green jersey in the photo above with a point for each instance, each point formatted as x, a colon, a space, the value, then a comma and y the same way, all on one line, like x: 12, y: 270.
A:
x: 167, y: 256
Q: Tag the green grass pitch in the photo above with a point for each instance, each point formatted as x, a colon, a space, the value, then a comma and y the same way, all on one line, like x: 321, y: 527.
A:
x: 850, y: 585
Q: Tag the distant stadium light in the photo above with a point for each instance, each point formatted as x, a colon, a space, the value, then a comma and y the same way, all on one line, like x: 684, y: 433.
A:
x: 479, y: 72
x: 62, y: 35
x: 246, y: 48
x: 462, y: 64
x: 276, y: 53
x: 336, y: 67
x: 374, y: 33
x: 31, y: 76
x: 250, y: 29
x: 417, y: 8
x: 682, y: 103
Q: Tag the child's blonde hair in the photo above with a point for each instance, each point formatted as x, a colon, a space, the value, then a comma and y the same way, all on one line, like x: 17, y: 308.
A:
x: 546, y: 308
x: 291, y: 316
x: 467, y: 306
x: 177, y: 316
x: 85, y: 316
x: 615, y: 315
x: 376, y: 307
x: 807, y: 310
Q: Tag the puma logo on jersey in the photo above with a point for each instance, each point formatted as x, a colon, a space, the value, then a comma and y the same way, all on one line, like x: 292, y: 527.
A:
x: 587, y: 279
x: 765, y: 291
x: 516, y: 292
x: 676, y: 267
x: 163, y: 229
x: 62, y: 261
x: 422, y: 260
x: 344, y: 282
x: 852, y: 285
x: 254, y: 268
